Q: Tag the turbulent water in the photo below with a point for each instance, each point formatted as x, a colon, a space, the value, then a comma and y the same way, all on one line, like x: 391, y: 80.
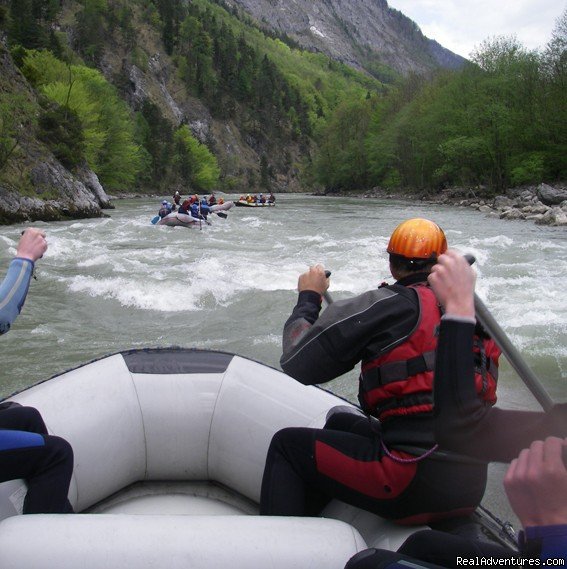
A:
x: 119, y: 282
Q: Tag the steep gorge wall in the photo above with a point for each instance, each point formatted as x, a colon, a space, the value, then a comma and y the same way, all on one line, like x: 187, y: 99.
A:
x: 353, y: 32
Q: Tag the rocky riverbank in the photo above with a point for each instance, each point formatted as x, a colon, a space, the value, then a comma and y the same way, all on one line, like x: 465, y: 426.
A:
x: 71, y: 196
x: 542, y: 204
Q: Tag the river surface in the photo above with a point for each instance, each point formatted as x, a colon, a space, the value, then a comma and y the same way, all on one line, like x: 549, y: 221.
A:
x: 119, y: 282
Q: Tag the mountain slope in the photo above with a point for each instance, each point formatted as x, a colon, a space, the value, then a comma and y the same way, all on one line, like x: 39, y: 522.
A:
x: 358, y: 33
x: 185, y: 69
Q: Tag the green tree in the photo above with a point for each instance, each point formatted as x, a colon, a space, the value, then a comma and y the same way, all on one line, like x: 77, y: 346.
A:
x: 61, y: 129
x: 554, y: 64
x: 30, y: 20
x: 108, y: 128
x: 196, y: 164
x: 91, y: 37
x: 17, y: 114
x: 341, y: 162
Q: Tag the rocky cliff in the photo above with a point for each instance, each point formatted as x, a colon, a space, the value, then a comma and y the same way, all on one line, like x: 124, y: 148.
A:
x: 35, y: 185
x: 353, y: 32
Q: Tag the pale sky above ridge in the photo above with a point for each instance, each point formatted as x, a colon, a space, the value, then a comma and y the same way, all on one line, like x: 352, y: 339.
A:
x: 462, y: 25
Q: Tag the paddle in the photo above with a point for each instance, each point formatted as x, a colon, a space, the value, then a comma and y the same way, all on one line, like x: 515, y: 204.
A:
x: 221, y: 214
x: 155, y: 219
x: 326, y: 294
x: 510, y: 352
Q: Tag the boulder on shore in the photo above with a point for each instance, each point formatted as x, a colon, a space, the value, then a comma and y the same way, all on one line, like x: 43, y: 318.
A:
x: 550, y: 195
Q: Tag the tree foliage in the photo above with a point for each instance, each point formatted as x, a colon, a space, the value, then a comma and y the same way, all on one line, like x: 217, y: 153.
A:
x: 17, y: 113
x: 107, y: 127
x: 197, y: 166
x: 499, y: 121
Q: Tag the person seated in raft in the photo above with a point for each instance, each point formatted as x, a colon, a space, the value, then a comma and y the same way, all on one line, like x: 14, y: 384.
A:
x: 271, y: 198
x: 26, y: 449
x: 534, y: 442
x: 165, y: 209
x: 185, y: 207
x: 177, y: 198
x: 221, y: 201
x: 391, y: 466
x: 212, y: 200
x: 536, y: 486
x: 200, y: 209
x: 250, y: 199
x: 261, y: 199
x: 463, y: 423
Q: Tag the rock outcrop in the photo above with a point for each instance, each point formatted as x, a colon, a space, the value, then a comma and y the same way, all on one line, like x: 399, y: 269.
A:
x: 36, y: 186
x: 543, y: 205
x: 59, y: 194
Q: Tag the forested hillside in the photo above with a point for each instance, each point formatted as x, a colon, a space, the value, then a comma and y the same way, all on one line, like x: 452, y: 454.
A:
x: 159, y: 95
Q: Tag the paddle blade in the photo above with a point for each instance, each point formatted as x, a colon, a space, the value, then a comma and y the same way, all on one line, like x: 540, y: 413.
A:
x: 155, y: 219
x: 221, y: 214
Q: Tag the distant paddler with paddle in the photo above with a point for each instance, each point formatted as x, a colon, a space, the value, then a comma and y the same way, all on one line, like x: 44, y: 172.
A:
x: 392, y: 332
x: 463, y: 422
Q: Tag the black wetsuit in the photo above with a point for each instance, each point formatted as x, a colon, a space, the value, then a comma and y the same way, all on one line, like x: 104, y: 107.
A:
x: 45, y: 461
x: 348, y: 459
x: 466, y: 424
x: 463, y: 422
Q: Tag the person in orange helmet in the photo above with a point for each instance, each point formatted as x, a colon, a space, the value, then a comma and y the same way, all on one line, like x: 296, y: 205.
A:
x: 384, y: 459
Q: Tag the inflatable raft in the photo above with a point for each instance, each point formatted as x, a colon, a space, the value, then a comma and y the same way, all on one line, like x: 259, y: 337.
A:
x: 176, y: 219
x: 244, y: 203
x: 169, y: 449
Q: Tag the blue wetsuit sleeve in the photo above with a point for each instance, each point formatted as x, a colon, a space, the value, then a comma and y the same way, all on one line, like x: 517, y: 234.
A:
x: 545, y: 542
x: 13, y: 291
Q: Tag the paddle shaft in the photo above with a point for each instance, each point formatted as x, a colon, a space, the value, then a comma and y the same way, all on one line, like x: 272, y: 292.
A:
x: 326, y: 294
x: 488, y: 322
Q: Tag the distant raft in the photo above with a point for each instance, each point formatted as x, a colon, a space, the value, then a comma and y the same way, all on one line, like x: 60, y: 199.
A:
x: 221, y: 206
x: 176, y: 219
x: 244, y: 203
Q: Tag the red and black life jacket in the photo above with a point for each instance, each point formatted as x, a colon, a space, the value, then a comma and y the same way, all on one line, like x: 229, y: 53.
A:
x: 400, y: 382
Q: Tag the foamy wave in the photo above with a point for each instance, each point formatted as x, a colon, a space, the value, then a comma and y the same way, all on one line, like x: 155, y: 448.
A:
x: 146, y: 296
x: 500, y: 241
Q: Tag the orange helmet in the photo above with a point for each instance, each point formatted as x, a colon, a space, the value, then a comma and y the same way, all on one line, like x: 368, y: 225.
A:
x: 418, y: 238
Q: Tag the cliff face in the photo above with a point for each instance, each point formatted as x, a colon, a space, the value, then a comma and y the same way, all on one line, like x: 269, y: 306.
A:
x: 353, y: 31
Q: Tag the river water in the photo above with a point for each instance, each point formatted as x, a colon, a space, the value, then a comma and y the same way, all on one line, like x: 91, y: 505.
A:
x: 119, y: 282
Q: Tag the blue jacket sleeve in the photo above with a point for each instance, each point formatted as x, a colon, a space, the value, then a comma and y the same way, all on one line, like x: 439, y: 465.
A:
x: 13, y: 291
x: 544, y: 542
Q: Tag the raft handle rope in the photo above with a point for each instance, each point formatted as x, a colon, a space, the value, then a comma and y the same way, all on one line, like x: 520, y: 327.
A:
x: 408, y: 460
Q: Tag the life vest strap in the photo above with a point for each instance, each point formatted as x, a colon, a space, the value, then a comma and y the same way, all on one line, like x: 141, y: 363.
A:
x: 397, y: 371
x: 399, y: 405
